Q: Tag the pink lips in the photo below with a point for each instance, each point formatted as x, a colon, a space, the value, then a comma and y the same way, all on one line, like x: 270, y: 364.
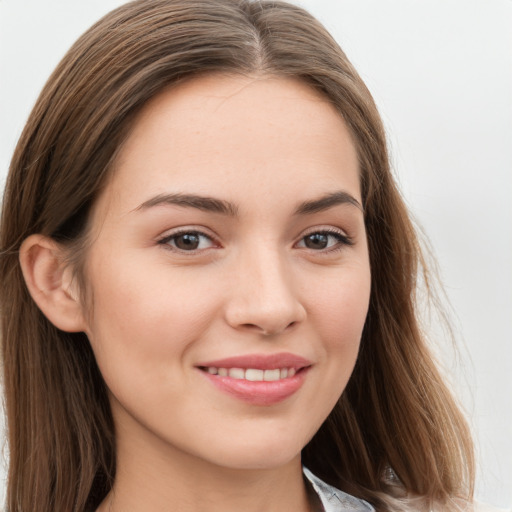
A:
x: 259, y: 392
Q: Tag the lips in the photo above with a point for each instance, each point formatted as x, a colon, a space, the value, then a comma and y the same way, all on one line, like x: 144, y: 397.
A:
x: 258, y: 379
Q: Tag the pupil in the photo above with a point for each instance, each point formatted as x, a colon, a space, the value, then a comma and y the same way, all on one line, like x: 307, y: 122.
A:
x: 187, y: 242
x: 316, y: 241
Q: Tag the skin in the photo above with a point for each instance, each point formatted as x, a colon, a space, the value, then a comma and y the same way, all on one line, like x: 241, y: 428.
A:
x: 253, y: 285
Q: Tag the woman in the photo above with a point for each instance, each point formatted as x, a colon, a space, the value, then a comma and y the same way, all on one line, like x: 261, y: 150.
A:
x: 209, y: 280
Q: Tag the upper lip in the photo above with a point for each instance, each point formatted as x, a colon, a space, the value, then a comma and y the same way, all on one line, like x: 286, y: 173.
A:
x: 260, y: 361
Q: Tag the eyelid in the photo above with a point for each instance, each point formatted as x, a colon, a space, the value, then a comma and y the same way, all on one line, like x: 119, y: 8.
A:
x: 201, y: 231
x: 343, y: 238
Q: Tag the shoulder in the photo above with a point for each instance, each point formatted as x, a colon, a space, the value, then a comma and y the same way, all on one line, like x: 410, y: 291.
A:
x: 334, y: 500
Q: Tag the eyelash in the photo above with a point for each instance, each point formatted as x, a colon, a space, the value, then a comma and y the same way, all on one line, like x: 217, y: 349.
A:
x: 342, y: 240
x: 165, y: 241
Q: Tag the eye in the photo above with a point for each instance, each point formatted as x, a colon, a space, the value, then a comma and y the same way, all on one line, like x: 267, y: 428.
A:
x: 324, y: 240
x: 188, y: 241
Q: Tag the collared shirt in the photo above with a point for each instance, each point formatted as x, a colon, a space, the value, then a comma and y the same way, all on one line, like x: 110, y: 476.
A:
x: 334, y: 500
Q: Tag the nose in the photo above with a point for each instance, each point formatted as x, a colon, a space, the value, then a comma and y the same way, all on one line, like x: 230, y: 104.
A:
x: 264, y: 296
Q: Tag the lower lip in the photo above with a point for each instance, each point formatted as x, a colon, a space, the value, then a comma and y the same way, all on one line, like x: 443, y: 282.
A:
x: 259, y: 392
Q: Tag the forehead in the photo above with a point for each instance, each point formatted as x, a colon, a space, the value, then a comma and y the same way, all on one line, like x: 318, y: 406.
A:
x: 232, y: 136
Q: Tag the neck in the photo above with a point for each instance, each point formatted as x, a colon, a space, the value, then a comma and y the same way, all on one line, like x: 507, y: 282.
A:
x: 151, y: 477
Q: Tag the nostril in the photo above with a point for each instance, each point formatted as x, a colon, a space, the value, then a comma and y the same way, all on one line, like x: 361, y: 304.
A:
x: 277, y: 330
x: 252, y: 327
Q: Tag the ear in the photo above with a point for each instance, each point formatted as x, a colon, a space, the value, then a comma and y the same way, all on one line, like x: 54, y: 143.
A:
x: 50, y: 283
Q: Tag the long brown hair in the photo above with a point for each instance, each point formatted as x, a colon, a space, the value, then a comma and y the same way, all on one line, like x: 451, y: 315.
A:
x: 396, y: 416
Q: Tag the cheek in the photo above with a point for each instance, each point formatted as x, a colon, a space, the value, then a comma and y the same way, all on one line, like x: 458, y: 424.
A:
x: 341, y: 306
x: 339, y: 315
x: 142, y: 316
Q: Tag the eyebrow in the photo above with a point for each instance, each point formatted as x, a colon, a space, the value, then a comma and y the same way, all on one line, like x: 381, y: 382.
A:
x: 326, y: 202
x: 208, y: 204
x: 214, y: 205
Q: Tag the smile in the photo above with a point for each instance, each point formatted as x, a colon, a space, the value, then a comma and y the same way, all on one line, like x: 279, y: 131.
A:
x: 258, y: 379
x: 252, y: 374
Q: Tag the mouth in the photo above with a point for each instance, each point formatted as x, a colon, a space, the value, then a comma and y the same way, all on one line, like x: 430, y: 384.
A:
x: 261, y: 380
x: 252, y: 374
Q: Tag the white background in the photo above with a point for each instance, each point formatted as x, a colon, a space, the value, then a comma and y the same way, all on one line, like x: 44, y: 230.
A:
x: 441, y: 73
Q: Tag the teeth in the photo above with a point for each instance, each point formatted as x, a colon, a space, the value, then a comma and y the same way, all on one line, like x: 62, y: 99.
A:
x: 272, y: 374
x: 236, y: 373
x: 253, y: 374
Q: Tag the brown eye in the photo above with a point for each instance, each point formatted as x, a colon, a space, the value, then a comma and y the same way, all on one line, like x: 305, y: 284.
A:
x: 316, y: 241
x: 324, y: 240
x: 188, y: 241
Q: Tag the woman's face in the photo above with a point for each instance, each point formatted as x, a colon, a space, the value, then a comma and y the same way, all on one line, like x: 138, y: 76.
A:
x: 228, y: 273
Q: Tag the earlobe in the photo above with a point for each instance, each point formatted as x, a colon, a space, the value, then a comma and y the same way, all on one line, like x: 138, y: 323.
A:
x: 50, y: 283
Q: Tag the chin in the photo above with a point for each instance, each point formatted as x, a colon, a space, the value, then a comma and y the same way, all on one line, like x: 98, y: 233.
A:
x: 271, y: 452
x: 259, y: 461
